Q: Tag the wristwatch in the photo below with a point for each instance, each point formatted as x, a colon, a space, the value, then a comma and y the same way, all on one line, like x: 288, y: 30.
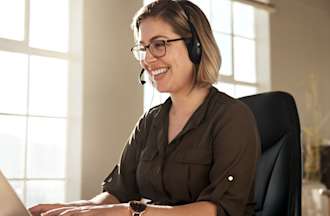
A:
x: 137, y: 208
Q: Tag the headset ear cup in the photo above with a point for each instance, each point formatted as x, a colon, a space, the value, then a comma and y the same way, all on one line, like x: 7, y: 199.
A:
x: 195, y: 50
x: 194, y: 46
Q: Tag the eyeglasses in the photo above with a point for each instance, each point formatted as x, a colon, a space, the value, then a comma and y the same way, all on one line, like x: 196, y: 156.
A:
x: 157, y: 48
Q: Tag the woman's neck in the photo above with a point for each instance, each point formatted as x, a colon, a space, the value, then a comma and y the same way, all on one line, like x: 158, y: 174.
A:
x: 186, y: 103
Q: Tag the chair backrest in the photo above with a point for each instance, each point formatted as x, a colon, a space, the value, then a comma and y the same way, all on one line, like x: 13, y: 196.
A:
x: 278, y: 180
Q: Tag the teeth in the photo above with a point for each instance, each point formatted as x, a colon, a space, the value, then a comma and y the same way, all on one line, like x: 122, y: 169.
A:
x: 158, y: 71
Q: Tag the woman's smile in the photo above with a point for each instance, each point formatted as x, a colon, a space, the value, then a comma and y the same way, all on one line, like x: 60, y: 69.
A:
x: 159, y: 73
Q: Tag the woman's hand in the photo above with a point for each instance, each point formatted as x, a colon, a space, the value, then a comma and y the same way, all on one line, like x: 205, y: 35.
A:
x: 101, y: 210
x: 41, y: 208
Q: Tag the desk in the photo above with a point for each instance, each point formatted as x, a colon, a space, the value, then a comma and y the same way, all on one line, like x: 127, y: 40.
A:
x: 315, y: 201
x: 326, y: 193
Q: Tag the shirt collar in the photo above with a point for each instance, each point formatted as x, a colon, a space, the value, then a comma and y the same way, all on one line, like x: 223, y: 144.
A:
x: 196, y: 118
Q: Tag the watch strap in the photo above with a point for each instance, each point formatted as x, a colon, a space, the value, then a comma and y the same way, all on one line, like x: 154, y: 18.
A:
x: 137, y: 208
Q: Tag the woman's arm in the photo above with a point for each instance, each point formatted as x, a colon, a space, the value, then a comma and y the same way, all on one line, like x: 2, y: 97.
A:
x: 100, y: 199
x: 193, y: 209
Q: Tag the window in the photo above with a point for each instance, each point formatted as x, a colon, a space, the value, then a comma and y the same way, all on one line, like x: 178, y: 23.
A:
x: 235, y: 27
x: 34, y: 91
x: 233, y: 24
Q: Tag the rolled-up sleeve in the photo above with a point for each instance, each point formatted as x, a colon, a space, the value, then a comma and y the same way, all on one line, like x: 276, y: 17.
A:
x: 236, y: 149
x: 121, y: 182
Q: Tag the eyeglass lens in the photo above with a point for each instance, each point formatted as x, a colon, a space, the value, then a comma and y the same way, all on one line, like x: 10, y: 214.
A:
x: 157, y: 48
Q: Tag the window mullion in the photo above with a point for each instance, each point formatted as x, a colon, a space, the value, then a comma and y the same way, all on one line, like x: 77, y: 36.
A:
x: 21, y: 47
x: 12, y: 45
x: 26, y: 132
x: 232, y: 40
x: 27, y: 23
x: 24, y: 49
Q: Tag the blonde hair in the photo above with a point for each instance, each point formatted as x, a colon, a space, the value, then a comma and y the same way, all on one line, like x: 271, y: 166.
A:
x: 178, y: 14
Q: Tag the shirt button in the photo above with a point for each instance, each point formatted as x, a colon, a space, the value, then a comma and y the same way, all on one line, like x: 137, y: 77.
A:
x: 230, y: 178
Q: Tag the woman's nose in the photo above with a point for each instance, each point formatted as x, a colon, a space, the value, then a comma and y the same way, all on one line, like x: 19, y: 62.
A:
x: 149, y: 57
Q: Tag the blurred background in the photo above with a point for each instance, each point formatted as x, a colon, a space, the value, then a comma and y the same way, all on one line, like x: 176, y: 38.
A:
x: 69, y: 90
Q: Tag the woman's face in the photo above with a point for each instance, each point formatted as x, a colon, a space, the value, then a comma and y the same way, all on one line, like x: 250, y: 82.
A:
x: 173, y: 72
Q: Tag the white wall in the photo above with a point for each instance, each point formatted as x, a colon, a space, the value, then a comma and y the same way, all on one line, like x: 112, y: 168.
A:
x: 300, y: 45
x: 112, y: 100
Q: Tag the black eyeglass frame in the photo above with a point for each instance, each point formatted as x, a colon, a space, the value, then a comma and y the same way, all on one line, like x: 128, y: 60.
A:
x: 139, y: 47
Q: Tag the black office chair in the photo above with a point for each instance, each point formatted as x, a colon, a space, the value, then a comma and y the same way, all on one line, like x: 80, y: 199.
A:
x: 278, y: 181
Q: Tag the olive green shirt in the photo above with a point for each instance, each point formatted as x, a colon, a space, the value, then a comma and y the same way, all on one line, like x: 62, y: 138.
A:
x: 212, y: 159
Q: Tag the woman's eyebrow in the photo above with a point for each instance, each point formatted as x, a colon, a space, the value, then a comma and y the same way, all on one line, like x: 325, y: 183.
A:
x: 154, y: 38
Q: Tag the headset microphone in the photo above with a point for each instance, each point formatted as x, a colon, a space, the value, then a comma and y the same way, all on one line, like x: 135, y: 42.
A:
x: 140, y: 77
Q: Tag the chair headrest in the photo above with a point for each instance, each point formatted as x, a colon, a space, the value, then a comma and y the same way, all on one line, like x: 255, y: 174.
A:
x: 275, y: 113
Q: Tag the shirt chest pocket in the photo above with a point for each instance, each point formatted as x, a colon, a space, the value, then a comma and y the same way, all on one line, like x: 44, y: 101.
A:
x: 148, y: 172
x: 147, y: 161
x: 148, y: 165
x: 193, y: 167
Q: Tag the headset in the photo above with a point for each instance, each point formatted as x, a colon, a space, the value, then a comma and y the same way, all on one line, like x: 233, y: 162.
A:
x: 193, y: 45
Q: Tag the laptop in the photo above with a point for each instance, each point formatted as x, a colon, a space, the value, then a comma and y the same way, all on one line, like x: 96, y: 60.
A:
x: 10, y: 204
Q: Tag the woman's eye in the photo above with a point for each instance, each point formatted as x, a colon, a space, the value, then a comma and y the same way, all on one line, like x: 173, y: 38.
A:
x: 158, y: 44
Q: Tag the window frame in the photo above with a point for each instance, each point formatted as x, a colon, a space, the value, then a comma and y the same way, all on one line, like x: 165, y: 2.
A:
x: 72, y: 154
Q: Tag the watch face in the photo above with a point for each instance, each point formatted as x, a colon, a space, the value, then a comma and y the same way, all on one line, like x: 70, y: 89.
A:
x: 137, y: 206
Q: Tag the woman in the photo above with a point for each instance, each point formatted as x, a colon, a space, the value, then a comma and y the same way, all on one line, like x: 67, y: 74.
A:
x: 196, y: 153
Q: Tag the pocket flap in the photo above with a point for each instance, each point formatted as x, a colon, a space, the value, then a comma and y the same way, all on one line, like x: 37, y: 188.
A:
x: 195, y: 156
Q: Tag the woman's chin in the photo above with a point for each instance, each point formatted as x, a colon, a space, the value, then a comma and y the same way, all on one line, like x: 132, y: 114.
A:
x: 162, y: 89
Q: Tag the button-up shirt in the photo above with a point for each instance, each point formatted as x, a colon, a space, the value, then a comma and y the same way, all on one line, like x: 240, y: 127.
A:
x: 213, y: 158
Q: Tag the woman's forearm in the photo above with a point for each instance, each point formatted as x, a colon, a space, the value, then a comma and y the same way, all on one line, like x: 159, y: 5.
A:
x: 100, y: 199
x: 104, y: 198
x: 194, y: 209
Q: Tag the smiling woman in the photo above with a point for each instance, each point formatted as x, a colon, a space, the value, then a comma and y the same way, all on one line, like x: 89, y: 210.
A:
x: 184, y: 156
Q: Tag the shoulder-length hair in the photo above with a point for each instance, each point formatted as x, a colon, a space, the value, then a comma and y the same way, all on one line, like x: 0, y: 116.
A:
x: 178, y: 14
